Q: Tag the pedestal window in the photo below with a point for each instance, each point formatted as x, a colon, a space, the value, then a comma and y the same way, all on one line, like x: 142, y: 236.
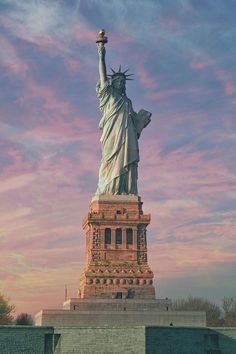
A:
x: 107, y: 236
x: 118, y: 236
x: 129, y: 236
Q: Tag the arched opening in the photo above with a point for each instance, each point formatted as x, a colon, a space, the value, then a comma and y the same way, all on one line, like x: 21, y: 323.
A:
x: 118, y: 236
x: 129, y: 236
x: 107, y: 236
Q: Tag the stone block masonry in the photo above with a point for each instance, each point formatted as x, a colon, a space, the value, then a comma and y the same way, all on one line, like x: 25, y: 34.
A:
x: 26, y: 340
x: 226, y: 339
x: 119, y: 318
x: 101, y: 340
x: 117, y: 340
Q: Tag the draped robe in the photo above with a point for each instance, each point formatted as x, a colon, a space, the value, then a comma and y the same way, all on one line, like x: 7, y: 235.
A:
x: 118, y: 171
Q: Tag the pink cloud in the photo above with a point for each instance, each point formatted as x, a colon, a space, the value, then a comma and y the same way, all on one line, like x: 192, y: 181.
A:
x: 36, y: 287
x: 170, y: 23
x: 162, y: 94
x: 83, y: 34
x: 229, y: 87
x: 121, y: 38
x: 146, y: 79
x: 50, y: 110
x: 178, y: 258
x: 11, y: 59
x: 179, y: 168
x: 16, y: 182
x: 60, y: 132
x: 17, y: 173
x: 50, y: 101
x: 50, y: 43
x: 73, y: 65
x: 199, y: 64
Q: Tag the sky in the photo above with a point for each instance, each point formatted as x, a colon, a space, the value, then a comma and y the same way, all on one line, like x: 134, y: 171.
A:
x: 182, y: 54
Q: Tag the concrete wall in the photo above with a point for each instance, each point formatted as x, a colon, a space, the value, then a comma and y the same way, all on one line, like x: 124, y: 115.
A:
x: 26, y: 340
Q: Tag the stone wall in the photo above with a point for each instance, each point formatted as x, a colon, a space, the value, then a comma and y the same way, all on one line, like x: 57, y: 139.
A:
x: 117, y: 340
x: 227, y: 339
x: 67, y: 318
x: 101, y: 340
x: 146, y: 340
x: 179, y: 340
x: 26, y: 340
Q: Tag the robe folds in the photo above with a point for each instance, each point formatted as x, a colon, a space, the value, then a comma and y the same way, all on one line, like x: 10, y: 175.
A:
x: 121, y: 128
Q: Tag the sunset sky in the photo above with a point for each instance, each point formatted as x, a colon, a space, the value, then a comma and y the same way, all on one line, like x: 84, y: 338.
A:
x: 183, y: 54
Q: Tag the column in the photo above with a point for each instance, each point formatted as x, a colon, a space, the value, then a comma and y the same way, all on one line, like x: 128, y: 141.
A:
x: 135, y: 238
x: 124, y: 242
x: 113, y: 238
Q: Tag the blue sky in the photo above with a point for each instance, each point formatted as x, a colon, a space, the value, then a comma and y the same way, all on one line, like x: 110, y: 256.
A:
x: 183, y: 56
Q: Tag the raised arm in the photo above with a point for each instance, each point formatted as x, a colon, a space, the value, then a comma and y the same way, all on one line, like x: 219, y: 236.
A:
x: 102, y: 64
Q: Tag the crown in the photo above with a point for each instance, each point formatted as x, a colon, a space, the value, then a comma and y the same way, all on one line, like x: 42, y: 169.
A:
x: 120, y: 73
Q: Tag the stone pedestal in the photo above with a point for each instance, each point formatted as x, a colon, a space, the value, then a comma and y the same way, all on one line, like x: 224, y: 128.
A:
x: 119, y: 312
x: 116, y: 250
x: 116, y: 287
x: 124, y: 318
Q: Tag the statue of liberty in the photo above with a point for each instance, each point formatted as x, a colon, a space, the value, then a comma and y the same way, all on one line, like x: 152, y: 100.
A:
x: 121, y: 128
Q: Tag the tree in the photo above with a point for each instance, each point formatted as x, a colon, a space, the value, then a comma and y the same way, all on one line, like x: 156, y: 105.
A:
x: 5, y: 311
x: 213, y: 312
x: 24, y: 319
x: 229, y: 307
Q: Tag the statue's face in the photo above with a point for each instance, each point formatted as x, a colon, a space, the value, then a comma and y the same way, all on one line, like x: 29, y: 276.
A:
x: 118, y: 82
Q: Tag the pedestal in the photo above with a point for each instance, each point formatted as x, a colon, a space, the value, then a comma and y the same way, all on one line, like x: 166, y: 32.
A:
x: 116, y: 287
x: 116, y: 250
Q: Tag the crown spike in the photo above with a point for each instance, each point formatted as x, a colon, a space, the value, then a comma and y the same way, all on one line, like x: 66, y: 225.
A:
x: 119, y: 72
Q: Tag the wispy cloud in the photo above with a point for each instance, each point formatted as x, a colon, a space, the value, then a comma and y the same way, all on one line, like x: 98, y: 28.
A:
x: 183, y: 59
x: 16, y: 182
x: 10, y: 58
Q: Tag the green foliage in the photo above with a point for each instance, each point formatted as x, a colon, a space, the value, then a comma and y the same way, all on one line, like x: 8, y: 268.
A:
x: 5, y: 311
x: 213, y: 312
x: 24, y: 319
x: 229, y: 307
